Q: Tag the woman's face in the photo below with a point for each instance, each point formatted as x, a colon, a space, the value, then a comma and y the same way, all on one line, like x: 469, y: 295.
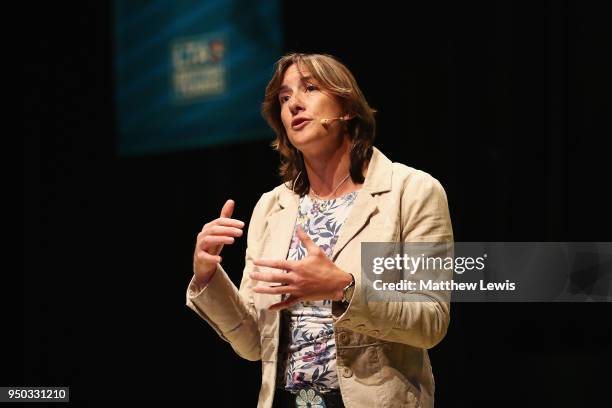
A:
x: 303, y: 104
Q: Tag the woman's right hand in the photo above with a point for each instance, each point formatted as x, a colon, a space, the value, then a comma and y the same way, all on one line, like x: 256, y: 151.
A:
x: 210, y: 241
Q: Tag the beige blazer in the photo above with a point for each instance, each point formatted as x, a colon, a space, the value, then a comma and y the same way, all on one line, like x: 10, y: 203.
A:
x: 382, y: 347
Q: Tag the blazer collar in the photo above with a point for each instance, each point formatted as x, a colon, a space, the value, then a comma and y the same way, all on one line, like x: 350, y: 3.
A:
x: 377, y: 180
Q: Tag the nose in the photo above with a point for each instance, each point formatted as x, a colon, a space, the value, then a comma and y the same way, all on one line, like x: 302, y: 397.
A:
x: 295, y: 104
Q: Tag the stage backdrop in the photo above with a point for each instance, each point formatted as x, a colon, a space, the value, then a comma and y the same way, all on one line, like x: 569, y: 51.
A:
x: 192, y: 73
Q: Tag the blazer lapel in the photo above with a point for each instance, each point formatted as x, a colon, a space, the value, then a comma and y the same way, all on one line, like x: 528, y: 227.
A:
x: 281, y: 227
x: 363, y: 208
x: 377, y: 180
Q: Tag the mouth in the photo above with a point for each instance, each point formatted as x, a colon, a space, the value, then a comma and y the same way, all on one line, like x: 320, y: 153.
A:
x: 299, y: 124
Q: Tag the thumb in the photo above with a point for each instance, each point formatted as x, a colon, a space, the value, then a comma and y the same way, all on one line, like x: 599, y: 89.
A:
x: 228, y: 209
x: 306, y: 240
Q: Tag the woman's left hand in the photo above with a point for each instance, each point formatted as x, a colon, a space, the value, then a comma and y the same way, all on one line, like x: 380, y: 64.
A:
x: 315, y: 277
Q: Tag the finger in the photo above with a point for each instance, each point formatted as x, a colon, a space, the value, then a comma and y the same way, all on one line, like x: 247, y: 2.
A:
x: 221, y: 230
x: 223, y: 221
x: 274, y: 290
x: 306, y: 240
x: 228, y: 222
x: 216, y: 231
x: 217, y: 239
x: 205, y: 256
x: 274, y: 277
x: 228, y: 209
x: 223, y: 235
x: 290, y: 301
x: 275, y: 263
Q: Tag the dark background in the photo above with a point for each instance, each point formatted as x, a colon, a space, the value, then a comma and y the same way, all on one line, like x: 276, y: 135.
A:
x: 506, y: 103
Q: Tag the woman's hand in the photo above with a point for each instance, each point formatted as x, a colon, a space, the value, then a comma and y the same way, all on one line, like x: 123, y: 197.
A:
x: 210, y: 241
x: 315, y: 277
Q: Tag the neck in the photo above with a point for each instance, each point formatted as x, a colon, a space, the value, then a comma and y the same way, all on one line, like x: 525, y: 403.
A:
x: 326, y: 169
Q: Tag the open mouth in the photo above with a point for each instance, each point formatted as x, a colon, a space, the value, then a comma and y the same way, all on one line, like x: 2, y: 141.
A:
x: 300, y: 124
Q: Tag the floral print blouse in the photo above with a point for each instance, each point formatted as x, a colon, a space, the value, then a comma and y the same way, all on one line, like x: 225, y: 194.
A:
x: 308, y: 350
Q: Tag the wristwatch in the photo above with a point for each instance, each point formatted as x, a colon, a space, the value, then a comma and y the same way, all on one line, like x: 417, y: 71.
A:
x: 347, y: 292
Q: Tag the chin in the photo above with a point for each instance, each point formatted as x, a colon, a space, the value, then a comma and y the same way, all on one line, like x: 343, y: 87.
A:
x: 307, y: 141
x: 301, y: 139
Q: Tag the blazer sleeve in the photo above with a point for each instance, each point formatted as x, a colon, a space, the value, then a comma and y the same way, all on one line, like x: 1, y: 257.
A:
x: 231, y: 311
x: 418, y: 318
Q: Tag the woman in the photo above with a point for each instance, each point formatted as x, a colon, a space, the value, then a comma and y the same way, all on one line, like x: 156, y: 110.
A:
x: 300, y: 308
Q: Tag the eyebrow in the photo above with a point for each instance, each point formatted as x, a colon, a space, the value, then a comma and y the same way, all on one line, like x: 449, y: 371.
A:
x: 305, y: 78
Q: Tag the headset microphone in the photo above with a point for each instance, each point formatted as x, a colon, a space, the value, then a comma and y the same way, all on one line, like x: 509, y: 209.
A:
x: 330, y: 120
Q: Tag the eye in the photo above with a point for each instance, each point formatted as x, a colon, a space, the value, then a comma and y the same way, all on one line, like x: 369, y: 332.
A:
x: 310, y: 87
x: 283, y: 98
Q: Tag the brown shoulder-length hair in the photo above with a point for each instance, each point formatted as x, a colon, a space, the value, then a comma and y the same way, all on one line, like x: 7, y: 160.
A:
x: 335, y: 78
